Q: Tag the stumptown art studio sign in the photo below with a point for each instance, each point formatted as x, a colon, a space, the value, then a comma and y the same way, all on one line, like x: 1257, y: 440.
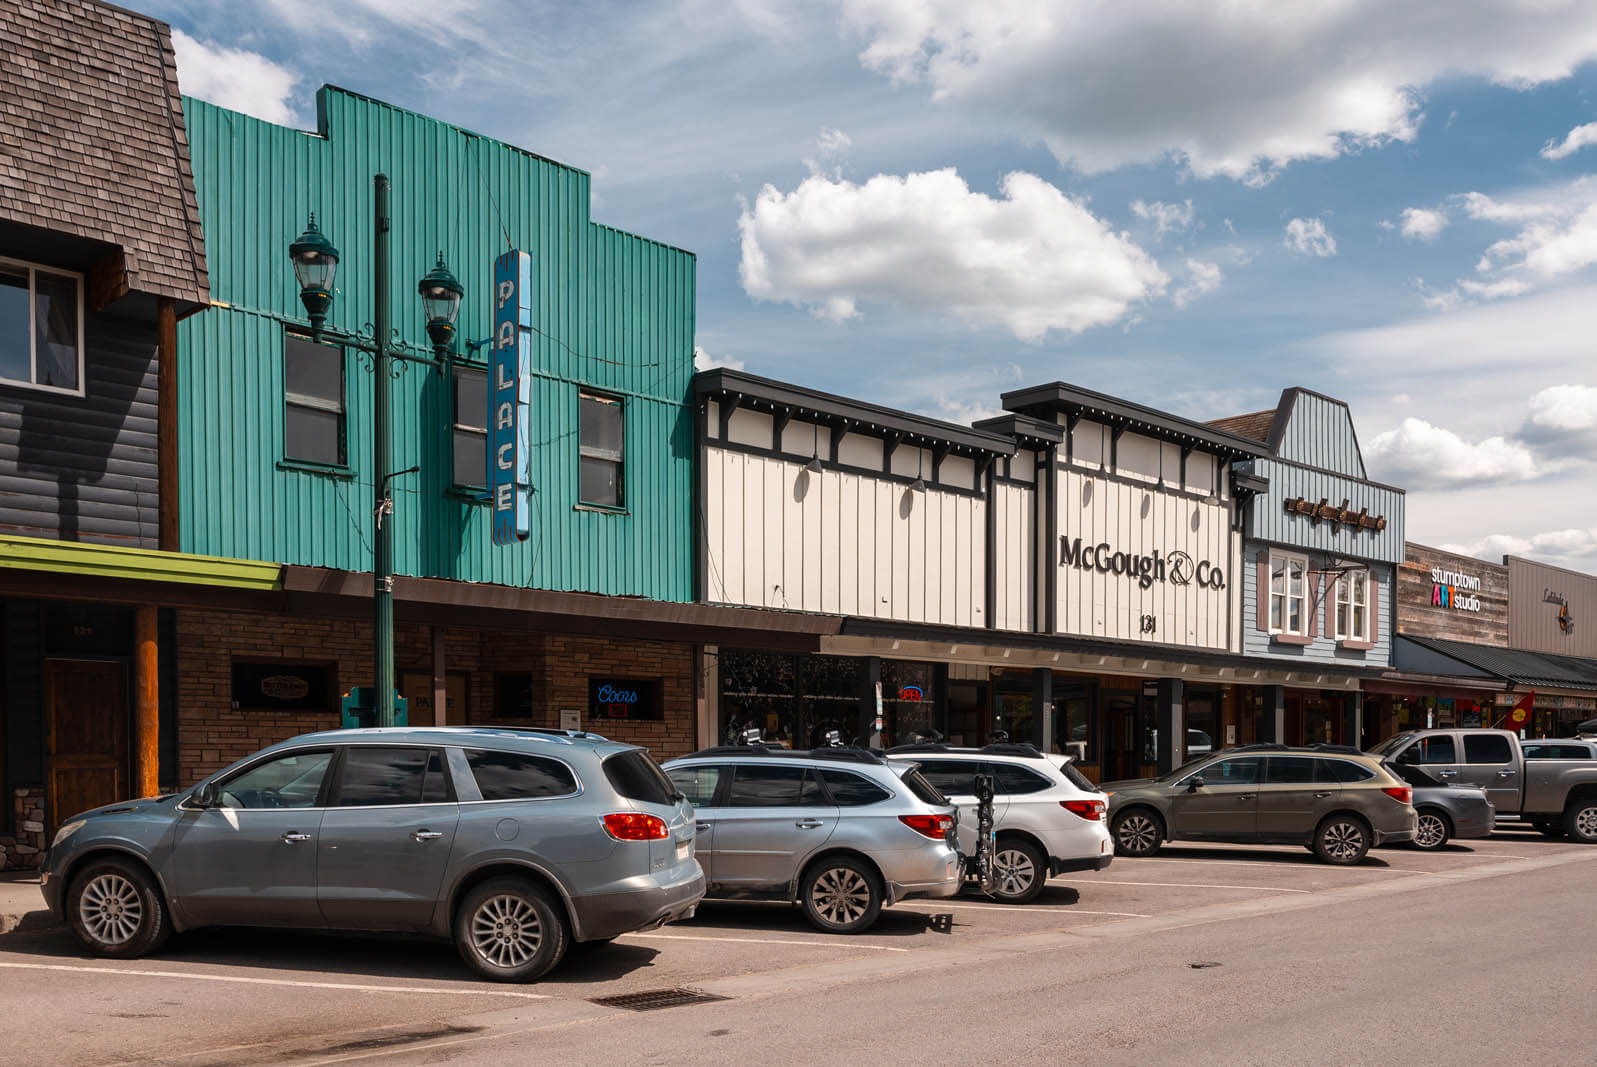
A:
x: 1176, y: 568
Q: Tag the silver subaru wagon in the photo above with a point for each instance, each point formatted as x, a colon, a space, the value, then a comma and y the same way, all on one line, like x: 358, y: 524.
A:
x: 513, y: 843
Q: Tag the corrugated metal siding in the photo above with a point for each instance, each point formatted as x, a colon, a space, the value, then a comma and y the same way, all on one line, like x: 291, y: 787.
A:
x: 1269, y: 520
x: 1533, y: 619
x: 614, y: 311
x: 1320, y: 433
x: 84, y: 468
x: 1323, y: 649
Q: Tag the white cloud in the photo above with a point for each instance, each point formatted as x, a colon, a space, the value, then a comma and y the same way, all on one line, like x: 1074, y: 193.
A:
x: 1202, y: 278
x: 830, y: 148
x: 702, y: 360
x: 1239, y: 89
x: 1423, y: 224
x: 1166, y: 218
x: 1574, y: 547
x: 1578, y: 138
x: 234, y: 78
x: 1032, y: 261
x: 1420, y: 455
x: 1549, y: 247
x: 1565, y: 407
x: 964, y: 412
x: 1309, y: 237
x: 1557, y: 237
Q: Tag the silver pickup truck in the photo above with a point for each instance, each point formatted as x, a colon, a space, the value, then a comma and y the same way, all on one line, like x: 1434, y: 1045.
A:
x: 1550, y: 784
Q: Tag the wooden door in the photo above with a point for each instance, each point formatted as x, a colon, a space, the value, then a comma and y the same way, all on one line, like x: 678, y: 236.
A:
x: 86, y: 724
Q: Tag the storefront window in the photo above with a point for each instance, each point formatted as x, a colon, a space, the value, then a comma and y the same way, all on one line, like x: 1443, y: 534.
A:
x: 909, y: 703
x: 792, y: 700
x: 1012, y: 706
x: 831, y: 697
x: 1203, y: 724
x: 1073, y: 732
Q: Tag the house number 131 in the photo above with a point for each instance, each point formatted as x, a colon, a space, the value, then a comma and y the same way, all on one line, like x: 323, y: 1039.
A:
x: 1150, y: 624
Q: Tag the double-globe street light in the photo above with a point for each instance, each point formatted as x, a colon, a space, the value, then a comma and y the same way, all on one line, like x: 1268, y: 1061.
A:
x: 315, y: 266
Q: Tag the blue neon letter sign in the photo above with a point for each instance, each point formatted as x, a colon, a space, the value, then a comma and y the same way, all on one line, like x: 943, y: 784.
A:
x: 509, y: 396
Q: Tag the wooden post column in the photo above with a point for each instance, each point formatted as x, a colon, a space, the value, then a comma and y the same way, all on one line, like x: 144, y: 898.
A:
x: 440, y: 682
x: 146, y: 702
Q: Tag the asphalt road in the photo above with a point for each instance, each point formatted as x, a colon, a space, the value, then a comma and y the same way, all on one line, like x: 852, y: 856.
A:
x: 1477, y: 955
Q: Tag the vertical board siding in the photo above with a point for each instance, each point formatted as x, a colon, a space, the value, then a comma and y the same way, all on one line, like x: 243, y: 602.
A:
x: 1270, y: 521
x: 778, y: 536
x: 614, y: 312
x: 1319, y: 432
x: 84, y: 468
x: 1014, y: 557
x: 1139, y: 520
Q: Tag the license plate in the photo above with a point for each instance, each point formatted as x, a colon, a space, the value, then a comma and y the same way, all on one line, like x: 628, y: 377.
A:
x: 682, y: 850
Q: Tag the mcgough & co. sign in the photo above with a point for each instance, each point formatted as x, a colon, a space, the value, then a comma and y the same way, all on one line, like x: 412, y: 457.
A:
x: 1177, y: 567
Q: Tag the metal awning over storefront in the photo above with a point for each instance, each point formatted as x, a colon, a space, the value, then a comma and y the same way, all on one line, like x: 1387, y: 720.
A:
x: 1465, y: 663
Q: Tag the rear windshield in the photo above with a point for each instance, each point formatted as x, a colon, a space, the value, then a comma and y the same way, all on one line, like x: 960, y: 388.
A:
x: 1391, y: 744
x: 1076, y: 778
x: 923, y: 790
x: 637, y: 777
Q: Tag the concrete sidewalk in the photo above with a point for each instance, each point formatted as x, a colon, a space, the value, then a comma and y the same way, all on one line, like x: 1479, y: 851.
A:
x: 19, y: 895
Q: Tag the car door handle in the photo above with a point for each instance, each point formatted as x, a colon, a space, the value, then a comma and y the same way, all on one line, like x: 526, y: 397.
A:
x: 427, y: 835
x: 1321, y: 796
x: 1505, y: 774
x: 294, y: 837
x: 702, y: 827
x: 1448, y: 774
x: 808, y: 824
x: 1244, y: 796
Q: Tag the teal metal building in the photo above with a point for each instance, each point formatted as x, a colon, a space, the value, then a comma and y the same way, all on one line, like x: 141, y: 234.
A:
x: 275, y: 442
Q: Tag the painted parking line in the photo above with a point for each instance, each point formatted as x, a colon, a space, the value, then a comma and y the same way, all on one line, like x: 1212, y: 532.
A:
x: 128, y: 972
x: 1204, y: 885
x: 769, y: 941
x: 1293, y: 866
x: 1066, y: 910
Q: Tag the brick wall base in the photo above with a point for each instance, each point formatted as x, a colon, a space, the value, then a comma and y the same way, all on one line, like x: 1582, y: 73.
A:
x: 21, y: 850
x: 212, y: 733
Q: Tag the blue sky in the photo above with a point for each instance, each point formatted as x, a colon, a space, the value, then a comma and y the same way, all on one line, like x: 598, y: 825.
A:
x: 924, y: 202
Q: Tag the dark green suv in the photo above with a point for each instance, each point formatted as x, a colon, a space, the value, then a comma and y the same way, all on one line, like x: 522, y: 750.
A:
x: 1338, y: 802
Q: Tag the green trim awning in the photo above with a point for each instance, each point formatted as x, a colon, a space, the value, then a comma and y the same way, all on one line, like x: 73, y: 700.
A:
x: 138, y: 564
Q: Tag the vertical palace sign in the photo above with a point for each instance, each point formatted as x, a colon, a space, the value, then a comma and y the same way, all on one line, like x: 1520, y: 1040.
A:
x: 509, y: 397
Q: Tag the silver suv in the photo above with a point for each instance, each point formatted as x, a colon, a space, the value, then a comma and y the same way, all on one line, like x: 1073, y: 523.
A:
x: 1048, y: 819
x: 512, y: 842
x: 838, y: 831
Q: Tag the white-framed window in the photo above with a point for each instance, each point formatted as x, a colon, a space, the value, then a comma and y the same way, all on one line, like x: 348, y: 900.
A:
x: 1289, y: 606
x: 1353, y: 606
x: 601, y: 451
x: 41, y: 327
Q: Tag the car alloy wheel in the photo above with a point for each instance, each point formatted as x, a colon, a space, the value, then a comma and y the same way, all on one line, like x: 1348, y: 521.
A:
x: 1136, y: 834
x: 505, y: 930
x: 110, y: 909
x: 841, y: 895
x: 1342, y: 841
x: 1017, y: 872
x: 1582, y: 822
x: 1431, y: 831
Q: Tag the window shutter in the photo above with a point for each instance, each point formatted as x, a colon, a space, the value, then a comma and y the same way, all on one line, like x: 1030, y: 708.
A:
x: 1311, y: 589
x: 1375, y: 606
x: 1264, y: 592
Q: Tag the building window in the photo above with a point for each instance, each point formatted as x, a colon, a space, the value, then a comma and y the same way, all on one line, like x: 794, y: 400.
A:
x: 471, y: 426
x: 313, y: 401
x: 1288, y: 581
x: 602, y: 447
x: 1353, y: 606
x: 41, y: 327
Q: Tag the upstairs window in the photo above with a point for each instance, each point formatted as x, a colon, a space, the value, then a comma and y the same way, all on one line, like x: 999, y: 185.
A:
x: 1288, y: 580
x: 602, y: 448
x: 313, y: 401
x: 1353, y: 606
x: 41, y: 328
x: 470, y: 434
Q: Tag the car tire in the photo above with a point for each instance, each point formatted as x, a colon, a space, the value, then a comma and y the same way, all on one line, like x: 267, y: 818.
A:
x: 1580, y: 821
x: 508, y: 930
x: 1020, y: 870
x: 1433, y: 830
x: 840, y: 895
x: 1137, y: 832
x: 116, y: 911
x: 1342, y: 839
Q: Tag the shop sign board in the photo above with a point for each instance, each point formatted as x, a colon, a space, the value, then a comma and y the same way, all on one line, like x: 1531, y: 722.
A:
x: 1454, y: 589
x: 509, y: 399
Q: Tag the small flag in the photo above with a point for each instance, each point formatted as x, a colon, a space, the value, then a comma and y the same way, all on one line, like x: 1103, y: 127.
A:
x: 1518, y: 717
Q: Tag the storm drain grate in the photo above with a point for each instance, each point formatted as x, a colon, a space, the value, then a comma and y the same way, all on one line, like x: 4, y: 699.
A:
x: 655, y: 999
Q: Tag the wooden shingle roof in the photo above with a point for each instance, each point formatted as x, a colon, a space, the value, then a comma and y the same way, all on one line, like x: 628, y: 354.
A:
x: 1255, y: 425
x: 92, y: 141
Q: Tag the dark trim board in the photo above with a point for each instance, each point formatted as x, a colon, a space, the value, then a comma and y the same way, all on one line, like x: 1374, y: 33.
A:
x: 846, y: 468
x: 1076, y: 401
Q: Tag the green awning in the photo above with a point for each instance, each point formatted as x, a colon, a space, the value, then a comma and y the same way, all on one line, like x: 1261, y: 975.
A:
x: 137, y: 564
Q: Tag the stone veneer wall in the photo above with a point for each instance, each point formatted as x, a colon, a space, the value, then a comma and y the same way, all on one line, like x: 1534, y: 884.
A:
x: 21, y: 850
x: 211, y: 734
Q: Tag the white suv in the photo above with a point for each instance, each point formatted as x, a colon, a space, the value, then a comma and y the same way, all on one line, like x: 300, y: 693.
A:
x: 1047, y: 817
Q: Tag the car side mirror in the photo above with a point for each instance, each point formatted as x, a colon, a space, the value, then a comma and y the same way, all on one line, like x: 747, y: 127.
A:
x: 204, y: 796
x: 1195, y: 783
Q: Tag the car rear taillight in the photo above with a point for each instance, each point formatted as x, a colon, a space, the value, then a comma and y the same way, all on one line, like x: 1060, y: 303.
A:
x: 1401, y: 793
x: 935, y: 826
x: 1092, y: 810
x: 635, y: 826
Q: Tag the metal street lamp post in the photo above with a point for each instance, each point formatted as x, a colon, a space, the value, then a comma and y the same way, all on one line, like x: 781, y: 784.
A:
x: 315, y: 262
